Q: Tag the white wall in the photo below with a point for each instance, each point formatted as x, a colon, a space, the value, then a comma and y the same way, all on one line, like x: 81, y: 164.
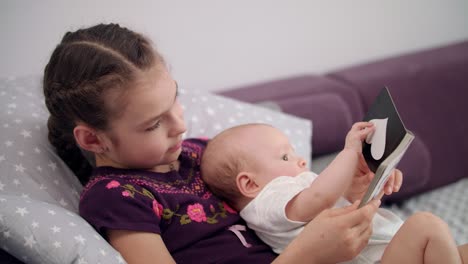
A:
x: 214, y: 44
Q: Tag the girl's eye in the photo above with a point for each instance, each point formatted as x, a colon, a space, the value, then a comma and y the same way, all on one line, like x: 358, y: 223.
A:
x: 285, y: 157
x: 155, y: 126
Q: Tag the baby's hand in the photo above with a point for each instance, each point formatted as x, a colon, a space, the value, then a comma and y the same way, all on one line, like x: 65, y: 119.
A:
x: 357, y: 134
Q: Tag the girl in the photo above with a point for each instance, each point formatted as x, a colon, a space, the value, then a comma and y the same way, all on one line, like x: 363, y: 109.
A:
x: 110, y: 95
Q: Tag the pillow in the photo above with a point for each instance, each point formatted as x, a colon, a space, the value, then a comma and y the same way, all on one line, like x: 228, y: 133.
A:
x: 28, y: 164
x: 35, y: 181
x: 41, y: 232
x: 208, y: 114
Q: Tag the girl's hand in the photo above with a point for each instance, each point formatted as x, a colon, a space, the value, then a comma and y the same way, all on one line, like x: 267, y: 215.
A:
x: 358, y: 133
x: 335, y: 235
x: 363, y: 177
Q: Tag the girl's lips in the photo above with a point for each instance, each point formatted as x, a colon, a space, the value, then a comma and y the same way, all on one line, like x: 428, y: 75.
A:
x: 176, y: 147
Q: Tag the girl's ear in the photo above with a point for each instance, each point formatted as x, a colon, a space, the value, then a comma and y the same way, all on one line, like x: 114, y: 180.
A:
x: 246, y: 184
x: 88, y: 139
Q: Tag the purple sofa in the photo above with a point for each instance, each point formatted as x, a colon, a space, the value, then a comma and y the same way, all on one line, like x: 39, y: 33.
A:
x: 430, y: 89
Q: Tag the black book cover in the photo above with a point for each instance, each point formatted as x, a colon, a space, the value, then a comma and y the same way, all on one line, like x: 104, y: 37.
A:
x: 389, y: 142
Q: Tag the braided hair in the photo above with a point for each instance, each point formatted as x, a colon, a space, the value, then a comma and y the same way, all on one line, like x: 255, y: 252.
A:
x: 84, y: 66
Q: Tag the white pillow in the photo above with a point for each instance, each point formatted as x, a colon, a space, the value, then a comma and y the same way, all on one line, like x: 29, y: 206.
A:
x: 29, y: 166
x: 41, y: 232
x: 208, y: 114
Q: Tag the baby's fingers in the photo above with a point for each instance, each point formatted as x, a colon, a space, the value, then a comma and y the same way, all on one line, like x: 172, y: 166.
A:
x: 361, y: 125
x: 363, y: 133
x: 360, y: 130
x: 398, y: 180
x: 388, y: 188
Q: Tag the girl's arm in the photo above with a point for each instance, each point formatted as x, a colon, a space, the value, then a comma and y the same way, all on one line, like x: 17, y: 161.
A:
x: 334, y: 236
x: 333, y: 181
x: 139, y: 247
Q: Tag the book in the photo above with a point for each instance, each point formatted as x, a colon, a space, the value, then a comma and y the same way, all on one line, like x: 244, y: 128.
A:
x: 385, y: 147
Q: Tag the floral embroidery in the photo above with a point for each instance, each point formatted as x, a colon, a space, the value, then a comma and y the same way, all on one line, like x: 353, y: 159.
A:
x: 157, y: 208
x: 196, y: 212
x: 113, y: 184
x: 202, y: 212
x: 191, y: 181
x: 130, y: 191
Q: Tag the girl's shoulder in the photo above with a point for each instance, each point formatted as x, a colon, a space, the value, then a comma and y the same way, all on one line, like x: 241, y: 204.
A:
x: 105, y: 181
x: 109, y: 185
x: 113, y: 200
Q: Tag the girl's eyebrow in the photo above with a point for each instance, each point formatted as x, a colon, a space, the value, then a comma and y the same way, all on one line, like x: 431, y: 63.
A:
x: 153, y: 119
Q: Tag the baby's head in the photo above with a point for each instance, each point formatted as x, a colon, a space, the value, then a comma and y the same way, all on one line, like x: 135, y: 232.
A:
x: 240, y: 161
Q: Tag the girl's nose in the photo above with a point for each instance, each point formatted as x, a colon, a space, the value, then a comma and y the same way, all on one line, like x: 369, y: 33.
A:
x: 179, y: 126
x: 178, y: 120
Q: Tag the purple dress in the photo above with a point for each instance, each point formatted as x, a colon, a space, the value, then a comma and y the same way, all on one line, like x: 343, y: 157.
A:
x: 193, y: 223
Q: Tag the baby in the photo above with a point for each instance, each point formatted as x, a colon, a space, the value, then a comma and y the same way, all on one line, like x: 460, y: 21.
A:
x: 257, y: 171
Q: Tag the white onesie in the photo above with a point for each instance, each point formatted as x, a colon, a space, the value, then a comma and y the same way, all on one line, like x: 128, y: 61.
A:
x: 266, y: 215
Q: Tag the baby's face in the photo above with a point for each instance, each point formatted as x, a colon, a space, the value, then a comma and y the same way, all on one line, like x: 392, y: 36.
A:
x: 273, y: 155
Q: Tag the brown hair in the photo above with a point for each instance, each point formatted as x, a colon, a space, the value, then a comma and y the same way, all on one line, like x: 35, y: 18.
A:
x: 84, y: 66
x: 219, y: 168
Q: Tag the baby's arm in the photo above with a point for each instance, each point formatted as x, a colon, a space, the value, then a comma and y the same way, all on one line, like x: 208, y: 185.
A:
x: 333, y: 181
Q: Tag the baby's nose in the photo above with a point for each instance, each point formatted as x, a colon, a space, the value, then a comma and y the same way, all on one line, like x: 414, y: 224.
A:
x: 302, y: 163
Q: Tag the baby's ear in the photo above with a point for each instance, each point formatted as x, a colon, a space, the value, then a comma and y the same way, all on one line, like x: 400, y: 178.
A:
x: 246, y: 184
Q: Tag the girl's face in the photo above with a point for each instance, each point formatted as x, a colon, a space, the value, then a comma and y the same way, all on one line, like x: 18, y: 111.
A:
x: 149, y: 131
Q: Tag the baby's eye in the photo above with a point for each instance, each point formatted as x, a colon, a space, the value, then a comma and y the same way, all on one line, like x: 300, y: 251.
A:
x: 285, y: 157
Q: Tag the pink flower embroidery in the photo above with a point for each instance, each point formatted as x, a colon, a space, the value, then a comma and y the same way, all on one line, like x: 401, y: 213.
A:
x: 196, y: 212
x: 157, y: 208
x: 229, y: 209
x: 126, y: 193
x: 112, y: 184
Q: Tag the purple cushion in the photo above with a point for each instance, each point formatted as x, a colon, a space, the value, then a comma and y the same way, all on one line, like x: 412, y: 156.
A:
x: 330, y: 105
x: 429, y: 87
x: 416, y: 166
x: 430, y: 90
x: 327, y: 133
